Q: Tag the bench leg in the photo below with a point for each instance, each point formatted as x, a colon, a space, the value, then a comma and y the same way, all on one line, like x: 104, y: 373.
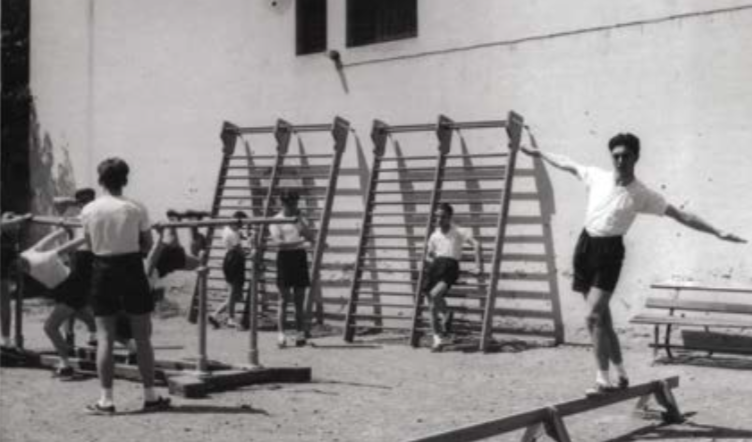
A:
x: 656, y: 340
x: 667, y: 342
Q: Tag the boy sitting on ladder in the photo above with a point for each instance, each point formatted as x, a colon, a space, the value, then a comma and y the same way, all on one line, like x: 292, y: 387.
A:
x: 443, y: 254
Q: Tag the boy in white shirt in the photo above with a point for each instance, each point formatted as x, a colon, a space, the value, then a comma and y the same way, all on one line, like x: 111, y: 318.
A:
x: 233, y: 267
x: 614, y: 200
x: 444, y: 254
x: 292, y: 265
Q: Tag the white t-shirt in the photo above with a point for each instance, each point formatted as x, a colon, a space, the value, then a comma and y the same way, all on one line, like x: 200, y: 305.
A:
x: 230, y: 238
x: 46, y: 267
x: 449, y: 244
x: 114, y: 225
x: 288, y: 232
x: 611, y: 208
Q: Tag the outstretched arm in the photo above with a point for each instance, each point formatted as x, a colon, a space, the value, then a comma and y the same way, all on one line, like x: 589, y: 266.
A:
x: 49, y: 239
x: 695, y: 222
x: 560, y: 162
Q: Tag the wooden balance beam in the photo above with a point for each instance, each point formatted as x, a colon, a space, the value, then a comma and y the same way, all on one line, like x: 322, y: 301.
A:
x: 551, y: 418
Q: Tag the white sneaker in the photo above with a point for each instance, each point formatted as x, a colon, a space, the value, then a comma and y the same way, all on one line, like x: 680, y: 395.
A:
x: 438, y: 342
x: 281, y: 340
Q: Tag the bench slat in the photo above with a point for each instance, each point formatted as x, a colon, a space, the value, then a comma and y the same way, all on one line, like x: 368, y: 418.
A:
x: 699, y: 306
x: 714, y: 349
x: 698, y: 287
x: 691, y: 321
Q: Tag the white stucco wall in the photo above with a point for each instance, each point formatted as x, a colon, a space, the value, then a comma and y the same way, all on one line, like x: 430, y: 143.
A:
x: 167, y: 73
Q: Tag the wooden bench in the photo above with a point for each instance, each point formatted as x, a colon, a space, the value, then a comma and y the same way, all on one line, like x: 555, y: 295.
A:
x: 672, y: 311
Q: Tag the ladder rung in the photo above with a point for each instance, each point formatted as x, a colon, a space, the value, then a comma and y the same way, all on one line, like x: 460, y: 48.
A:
x: 379, y: 281
x: 388, y: 270
x: 374, y: 247
x: 370, y: 303
x: 384, y: 293
x: 254, y: 157
x: 321, y: 155
x: 388, y: 317
x: 478, y: 155
x: 524, y: 276
x: 414, y: 158
x: 390, y: 259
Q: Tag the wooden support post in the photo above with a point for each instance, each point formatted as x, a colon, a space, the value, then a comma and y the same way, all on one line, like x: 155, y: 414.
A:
x: 514, y: 131
x: 547, y: 208
x: 340, y: 131
x: 554, y: 426
x: 379, y: 137
x: 201, y: 363
x: 229, y: 138
x: 444, y: 134
x: 282, y: 134
x: 20, y: 292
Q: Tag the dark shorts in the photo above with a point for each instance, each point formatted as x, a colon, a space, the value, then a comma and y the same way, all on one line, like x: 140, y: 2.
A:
x: 442, y: 269
x: 171, y: 258
x: 233, y: 266
x: 597, y: 262
x: 76, y: 289
x: 292, y: 268
x: 119, y: 284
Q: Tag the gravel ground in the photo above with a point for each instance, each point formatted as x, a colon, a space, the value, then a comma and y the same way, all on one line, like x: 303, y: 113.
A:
x: 375, y: 392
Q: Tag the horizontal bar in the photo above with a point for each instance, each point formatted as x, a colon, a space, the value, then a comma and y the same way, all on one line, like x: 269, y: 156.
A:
x: 223, y: 222
x: 446, y: 169
x: 54, y: 221
x: 272, y: 129
x: 483, y: 124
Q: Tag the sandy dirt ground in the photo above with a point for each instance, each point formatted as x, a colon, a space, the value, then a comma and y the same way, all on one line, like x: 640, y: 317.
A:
x: 375, y: 392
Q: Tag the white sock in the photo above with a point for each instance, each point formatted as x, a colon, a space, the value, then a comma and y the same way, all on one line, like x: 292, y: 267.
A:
x: 150, y: 395
x: 621, y: 371
x: 107, y: 398
x: 602, y: 377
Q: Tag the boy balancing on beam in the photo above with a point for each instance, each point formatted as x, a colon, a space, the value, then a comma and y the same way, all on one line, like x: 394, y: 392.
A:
x: 444, y: 253
x: 614, y: 200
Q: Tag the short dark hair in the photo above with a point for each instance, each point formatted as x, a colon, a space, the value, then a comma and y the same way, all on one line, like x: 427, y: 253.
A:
x: 446, y: 207
x: 84, y: 195
x: 628, y: 140
x: 113, y: 173
x: 288, y: 196
x: 239, y: 215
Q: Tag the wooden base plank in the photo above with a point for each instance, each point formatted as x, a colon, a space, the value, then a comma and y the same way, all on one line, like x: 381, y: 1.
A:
x: 195, y: 385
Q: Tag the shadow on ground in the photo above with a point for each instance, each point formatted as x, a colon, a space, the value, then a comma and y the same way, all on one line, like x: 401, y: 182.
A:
x: 687, y: 430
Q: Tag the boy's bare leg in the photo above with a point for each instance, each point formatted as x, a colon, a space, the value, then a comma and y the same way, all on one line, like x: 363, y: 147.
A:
x: 598, y: 300
x: 52, y: 325
x: 5, y: 312
x: 105, y: 361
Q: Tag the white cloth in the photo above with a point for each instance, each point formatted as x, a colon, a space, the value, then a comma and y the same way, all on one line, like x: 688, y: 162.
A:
x: 611, y: 208
x: 288, y: 232
x: 46, y: 267
x: 449, y: 244
x: 230, y: 238
x: 114, y: 225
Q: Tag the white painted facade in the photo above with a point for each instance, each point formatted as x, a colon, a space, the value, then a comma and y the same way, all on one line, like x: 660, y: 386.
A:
x: 152, y: 81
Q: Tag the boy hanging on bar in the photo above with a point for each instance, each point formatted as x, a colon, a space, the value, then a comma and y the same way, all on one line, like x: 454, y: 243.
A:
x: 292, y: 265
x: 444, y: 253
